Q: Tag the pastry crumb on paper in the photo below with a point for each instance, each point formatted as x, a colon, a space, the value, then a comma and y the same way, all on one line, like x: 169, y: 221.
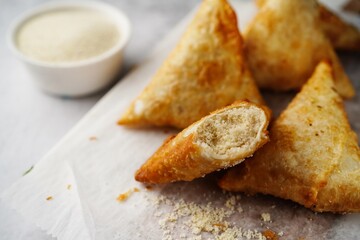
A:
x: 198, y: 210
x: 93, y: 138
x: 196, y: 221
x: 124, y: 196
x: 266, y: 217
x: 270, y: 235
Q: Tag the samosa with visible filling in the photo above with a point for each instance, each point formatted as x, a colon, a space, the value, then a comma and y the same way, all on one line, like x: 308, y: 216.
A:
x: 285, y: 42
x: 313, y: 157
x: 220, y: 140
x: 205, y: 71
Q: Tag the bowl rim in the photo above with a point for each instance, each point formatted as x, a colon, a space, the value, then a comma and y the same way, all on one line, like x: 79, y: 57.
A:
x: 121, y: 20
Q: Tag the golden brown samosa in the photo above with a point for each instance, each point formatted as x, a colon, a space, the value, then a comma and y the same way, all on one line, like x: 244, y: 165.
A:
x: 313, y: 157
x: 220, y: 140
x: 285, y: 42
x: 342, y: 35
x: 205, y: 71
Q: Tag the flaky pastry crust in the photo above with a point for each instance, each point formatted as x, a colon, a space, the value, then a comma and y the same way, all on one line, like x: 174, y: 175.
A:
x: 205, y: 71
x: 313, y: 157
x: 184, y: 157
x: 285, y: 42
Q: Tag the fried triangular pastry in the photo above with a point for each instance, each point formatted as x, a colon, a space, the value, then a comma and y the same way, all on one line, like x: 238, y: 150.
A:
x: 220, y: 140
x: 342, y: 35
x: 285, y: 42
x: 313, y: 157
x: 205, y: 71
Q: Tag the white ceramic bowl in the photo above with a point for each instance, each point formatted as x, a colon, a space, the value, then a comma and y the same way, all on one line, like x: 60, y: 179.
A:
x: 75, y: 78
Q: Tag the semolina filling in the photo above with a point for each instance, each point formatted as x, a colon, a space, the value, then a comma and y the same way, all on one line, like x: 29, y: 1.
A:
x: 231, y: 134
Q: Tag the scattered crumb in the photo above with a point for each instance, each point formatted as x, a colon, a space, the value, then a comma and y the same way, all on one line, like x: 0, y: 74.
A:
x: 124, y: 196
x: 197, y: 219
x: 49, y: 198
x: 230, y: 203
x: 273, y: 206
x: 270, y: 235
x: 281, y: 233
x: 240, y: 210
x: 266, y: 217
x: 68, y: 187
x: 93, y: 138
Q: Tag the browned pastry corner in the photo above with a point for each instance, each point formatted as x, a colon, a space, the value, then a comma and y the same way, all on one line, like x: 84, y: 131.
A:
x: 342, y: 35
x: 284, y: 43
x: 313, y: 157
x: 205, y: 71
x: 352, y: 6
x: 220, y: 140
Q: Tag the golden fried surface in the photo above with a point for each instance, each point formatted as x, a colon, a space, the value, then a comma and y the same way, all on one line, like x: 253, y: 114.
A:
x: 206, y: 71
x: 285, y: 42
x: 312, y: 158
x: 220, y: 140
x: 342, y: 35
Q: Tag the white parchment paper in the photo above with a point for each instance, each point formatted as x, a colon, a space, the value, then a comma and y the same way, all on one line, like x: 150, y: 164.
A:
x: 95, y: 162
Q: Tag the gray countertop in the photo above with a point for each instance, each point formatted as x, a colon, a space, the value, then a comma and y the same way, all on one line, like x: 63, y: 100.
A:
x: 31, y: 122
